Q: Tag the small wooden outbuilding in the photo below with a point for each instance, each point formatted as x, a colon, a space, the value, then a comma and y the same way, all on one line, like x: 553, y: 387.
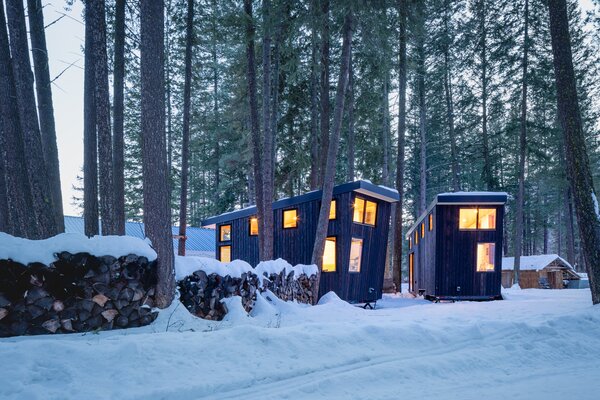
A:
x: 355, y: 248
x: 544, y: 271
x: 455, y: 247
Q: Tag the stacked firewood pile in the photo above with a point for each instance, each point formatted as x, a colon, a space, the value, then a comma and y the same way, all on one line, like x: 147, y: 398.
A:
x: 202, y: 294
x: 76, y: 293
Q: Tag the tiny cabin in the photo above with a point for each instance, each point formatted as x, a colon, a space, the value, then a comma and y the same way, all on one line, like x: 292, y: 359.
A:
x: 455, y: 247
x: 355, y: 249
x: 544, y: 271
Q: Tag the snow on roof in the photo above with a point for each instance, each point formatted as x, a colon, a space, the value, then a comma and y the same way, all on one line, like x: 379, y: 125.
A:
x: 26, y: 251
x: 534, y: 263
x: 473, y: 194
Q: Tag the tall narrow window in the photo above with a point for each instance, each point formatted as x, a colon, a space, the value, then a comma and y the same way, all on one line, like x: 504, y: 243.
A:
x: 359, y: 210
x: 423, y: 229
x: 225, y: 254
x: 290, y: 218
x: 409, y: 243
x: 411, y: 271
x: 430, y: 222
x: 332, y: 209
x: 253, y: 226
x: 329, y: 255
x: 487, y: 218
x: 355, y: 255
x: 225, y: 233
x: 370, y: 213
x: 486, y: 253
x: 416, y: 238
x: 467, y: 218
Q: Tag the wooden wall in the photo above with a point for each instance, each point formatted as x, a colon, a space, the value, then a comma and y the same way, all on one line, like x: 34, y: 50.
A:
x: 295, y: 245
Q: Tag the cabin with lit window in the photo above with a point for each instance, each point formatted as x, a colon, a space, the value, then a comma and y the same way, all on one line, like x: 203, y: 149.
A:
x: 355, y: 249
x: 455, y: 247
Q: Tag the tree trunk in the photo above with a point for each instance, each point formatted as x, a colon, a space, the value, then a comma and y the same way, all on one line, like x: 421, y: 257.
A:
x: 329, y: 176
x: 570, y: 225
x: 487, y: 167
x: 518, y: 239
x: 282, y: 18
x: 157, y: 210
x: 185, y: 143
x: 350, y: 168
x: 18, y: 216
x: 578, y: 168
x: 255, y: 140
x: 314, y: 104
x: 216, y: 114
x: 39, y: 184
x: 118, y: 145
x: 103, y: 125
x: 267, y: 148
x: 385, y: 132
x: 324, y: 142
x: 3, y: 197
x: 398, y: 234
x: 90, y: 141
x: 420, y: 5
x: 45, y: 106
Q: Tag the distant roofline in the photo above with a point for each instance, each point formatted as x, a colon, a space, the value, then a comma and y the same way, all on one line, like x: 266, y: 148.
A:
x: 139, y: 222
x: 360, y: 186
x: 456, y: 198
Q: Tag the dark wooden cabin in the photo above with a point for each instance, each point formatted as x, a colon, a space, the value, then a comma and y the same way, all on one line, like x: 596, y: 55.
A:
x: 455, y: 247
x: 355, y: 250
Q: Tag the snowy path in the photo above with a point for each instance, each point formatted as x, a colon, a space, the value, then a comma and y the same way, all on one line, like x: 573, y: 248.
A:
x: 535, y: 345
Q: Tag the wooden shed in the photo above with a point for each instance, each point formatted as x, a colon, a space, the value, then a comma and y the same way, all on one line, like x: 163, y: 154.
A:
x: 544, y: 271
x: 355, y: 250
x: 455, y: 247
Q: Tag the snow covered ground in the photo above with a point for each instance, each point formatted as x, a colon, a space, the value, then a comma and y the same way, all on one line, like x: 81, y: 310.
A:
x: 537, y: 344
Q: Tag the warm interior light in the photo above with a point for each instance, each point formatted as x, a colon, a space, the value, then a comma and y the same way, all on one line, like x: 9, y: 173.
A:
x: 290, y: 218
x: 487, y: 218
x: 332, y: 210
x: 359, y: 210
x: 225, y: 233
x: 355, y: 255
x: 370, y: 212
x: 486, y: 253
x: 329, y: 261
x: 467, y: 218
x: 225, y: 254
x: 253, y: 226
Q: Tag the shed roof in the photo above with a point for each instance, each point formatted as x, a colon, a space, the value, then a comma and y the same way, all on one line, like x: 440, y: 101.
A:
x: 361, y: 186
x: 475, y: 198
x: 199, y: 240
x: 535, y: 263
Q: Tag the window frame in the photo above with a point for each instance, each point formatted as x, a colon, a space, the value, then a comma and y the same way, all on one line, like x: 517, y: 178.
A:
x: 250, y: 226
x: 221, y: 250
x: 221, y: 240
x: 362, y: 246
x: 364, y: 211
x: 335, y: 254
x: 283, y: 218
x: 476, y: 257
x: 477, y: 228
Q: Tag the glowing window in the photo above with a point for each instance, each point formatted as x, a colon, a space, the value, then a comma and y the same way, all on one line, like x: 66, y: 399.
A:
x: 409, y: 243
x: 411, y: 271
x: 370, y: 213
x: 332, y: 209
x: 359, y: 210
x: 487, y: 218
x: 329, y: 258
x: 225, y: 233
x: 290, y: 218
x: 225, y: 254
x: 430, y: 222
x: 423, y: 229
x: 486, y: 253
x: 355, y: 255
x: 416, y: 238
x: 467, y: 218
x: 253, y: 226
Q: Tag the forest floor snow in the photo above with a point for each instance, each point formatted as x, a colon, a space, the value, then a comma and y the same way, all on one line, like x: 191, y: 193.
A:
x: 536, y: 344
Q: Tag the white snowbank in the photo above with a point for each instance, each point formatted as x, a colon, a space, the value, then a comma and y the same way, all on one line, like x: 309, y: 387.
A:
x: 185, y: 266
x: 27, y: 251
x: 497, y: 350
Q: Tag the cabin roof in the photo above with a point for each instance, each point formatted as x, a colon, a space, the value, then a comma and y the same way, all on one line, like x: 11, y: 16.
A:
x: 361, y: 186
x: 450, y: 198
x: 536, y: 263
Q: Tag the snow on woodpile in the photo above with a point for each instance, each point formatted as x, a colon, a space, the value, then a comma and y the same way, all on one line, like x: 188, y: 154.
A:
x: 534, y: 263
x: 27, y: 251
